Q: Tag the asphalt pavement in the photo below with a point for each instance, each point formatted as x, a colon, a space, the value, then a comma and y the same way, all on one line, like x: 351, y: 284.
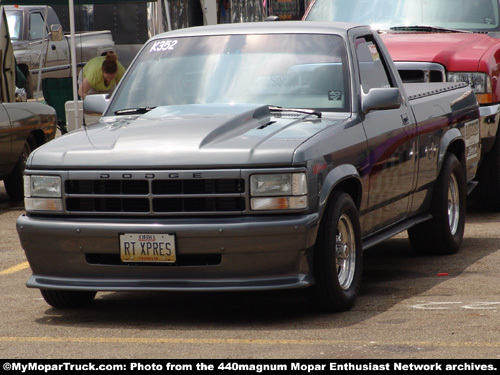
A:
x: 410, y: 306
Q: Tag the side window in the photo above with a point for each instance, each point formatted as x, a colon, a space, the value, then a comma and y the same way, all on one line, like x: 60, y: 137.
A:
x: 371, y: 68
x: 15, y: 25
x: 36, y: 26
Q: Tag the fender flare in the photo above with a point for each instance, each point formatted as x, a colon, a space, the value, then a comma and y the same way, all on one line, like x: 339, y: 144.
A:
x: 336, y: 177
x: 451, y: 137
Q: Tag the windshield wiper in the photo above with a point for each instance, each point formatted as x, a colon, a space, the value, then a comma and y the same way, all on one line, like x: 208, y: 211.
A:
x: 427, y: 28
x: 134, y: 111
x: 297, y: 110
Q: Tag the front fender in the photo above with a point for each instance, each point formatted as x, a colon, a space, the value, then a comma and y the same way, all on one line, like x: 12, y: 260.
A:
x: 344, y: 177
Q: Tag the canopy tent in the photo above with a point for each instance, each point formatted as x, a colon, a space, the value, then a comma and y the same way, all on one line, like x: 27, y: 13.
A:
x: 71, y: 4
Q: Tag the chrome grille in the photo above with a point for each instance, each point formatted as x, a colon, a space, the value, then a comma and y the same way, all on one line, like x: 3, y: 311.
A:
x: 209, y: 186
x: 198, y: 204
x: 152, y: 195
x: 412, y: 72
x: 107, y: 204
x: 107, y: 187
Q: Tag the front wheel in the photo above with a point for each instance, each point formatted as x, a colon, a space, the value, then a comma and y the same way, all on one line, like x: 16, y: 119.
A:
x: 338, y: 256
x: 443, y: 234
x: 64, y: 299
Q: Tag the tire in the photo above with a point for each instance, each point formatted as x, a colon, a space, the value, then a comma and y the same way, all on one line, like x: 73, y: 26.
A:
x: 14, y: 184
x: 64, y: 299
x: 338, y: 256
x: 28, y: 86
x: 443, y: 234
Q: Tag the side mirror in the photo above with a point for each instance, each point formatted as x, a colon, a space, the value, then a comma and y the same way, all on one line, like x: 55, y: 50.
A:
x: 96, y: 104
x: 272, y: 18
x: 56, y: 33
x: 380, y: 99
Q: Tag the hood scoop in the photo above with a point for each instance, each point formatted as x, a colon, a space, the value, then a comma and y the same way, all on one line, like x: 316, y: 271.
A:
x: 266, y: 125
x: 238, y: 118
x: 256, y: 111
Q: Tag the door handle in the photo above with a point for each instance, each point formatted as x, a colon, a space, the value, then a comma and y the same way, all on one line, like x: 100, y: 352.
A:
x: 405, y: 118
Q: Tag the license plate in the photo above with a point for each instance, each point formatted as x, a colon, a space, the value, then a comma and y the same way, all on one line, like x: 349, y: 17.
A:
x: 142, y: 247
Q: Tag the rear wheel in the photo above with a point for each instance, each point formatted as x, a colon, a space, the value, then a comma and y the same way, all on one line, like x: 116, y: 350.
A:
x: 64, y: 299
x: 443, y: 234
x: 338, y: 256
x: 14, y: 182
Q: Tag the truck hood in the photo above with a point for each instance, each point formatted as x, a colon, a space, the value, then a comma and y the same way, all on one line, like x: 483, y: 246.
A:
x: 190, y: 136
x: 457, y: 51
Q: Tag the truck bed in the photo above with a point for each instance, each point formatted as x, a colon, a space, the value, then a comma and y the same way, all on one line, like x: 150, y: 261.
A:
x: 433, y: 102
x: 420, y: 90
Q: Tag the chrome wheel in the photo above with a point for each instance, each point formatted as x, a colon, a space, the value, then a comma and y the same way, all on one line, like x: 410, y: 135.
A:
x: 453, y: 204
x: 338, y: 256
x: 443, y: 233
x: 345, y: 249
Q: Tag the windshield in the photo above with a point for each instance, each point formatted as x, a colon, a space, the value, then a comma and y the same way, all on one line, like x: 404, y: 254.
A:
x: 470, y: 15
x: 15, y: 21
x: 292, y: 71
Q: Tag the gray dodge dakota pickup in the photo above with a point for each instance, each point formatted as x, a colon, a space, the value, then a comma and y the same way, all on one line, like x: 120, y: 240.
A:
x: 253, y: 156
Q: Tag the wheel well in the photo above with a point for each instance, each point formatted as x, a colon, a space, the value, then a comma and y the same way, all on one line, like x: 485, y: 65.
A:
x: 458, y: 149
x: 27, y: 85
x: 352, y: 187
x: 347, y: 182
x: 38, y: 137
x: 24, y: 69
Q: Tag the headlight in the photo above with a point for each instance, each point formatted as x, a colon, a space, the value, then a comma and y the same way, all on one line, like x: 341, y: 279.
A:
x: 283, y: 191
x: 42, y: 193
x: 479, y: 82
x: 42, y: 186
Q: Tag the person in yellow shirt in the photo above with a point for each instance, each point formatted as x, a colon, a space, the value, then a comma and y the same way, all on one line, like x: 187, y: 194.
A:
x: 100, y: 75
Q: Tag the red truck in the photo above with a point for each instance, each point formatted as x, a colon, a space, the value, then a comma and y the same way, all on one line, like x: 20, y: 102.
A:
x: 440, y: 40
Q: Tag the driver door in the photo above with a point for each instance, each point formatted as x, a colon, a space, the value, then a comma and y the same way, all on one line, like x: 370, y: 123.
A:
x: 391, y: 145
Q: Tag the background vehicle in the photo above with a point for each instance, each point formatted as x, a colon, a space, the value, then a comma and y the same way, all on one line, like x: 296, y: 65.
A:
x: 437, y: 41
x: 23, y: 126
x: 250, y: 156
x: 26, y: 25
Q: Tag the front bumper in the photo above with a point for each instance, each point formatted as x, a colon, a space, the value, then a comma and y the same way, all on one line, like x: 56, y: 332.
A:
x: 256, y: 253
x: 489, y: 118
